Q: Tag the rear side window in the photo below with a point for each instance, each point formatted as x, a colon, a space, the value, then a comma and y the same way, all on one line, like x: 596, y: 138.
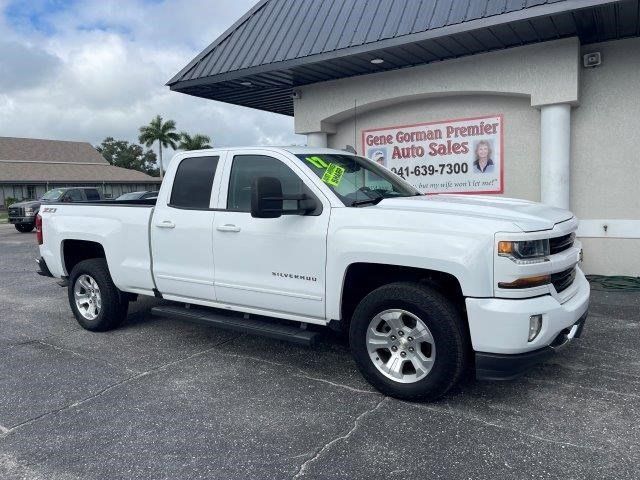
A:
x: 92, y: 194
x: 74, y: 196
x: 193, y: 182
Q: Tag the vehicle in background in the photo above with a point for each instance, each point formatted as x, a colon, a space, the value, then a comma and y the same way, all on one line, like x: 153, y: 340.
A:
x: 144, y: 195
x: 23, y: 214
x: 428, y: 286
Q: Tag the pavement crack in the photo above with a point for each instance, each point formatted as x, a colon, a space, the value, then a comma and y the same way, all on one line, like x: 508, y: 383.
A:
x: 339, y: 385
x: 86, y: 357
x: 125, y: 381
x: 302, y: 373
x: 356, y: 423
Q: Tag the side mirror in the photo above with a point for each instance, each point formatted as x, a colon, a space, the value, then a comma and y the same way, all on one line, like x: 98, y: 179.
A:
x: 267, y: 199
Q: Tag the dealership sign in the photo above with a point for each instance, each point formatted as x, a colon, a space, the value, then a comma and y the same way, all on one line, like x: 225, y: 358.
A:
x: 451, y: 156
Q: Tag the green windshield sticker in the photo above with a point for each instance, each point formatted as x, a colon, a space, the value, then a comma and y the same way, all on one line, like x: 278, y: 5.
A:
x: 317, y: 161
x: 333, y: 174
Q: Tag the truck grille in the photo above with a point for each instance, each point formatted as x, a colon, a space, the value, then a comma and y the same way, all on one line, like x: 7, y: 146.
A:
x: 15, y: 212
x: 562, y: 280
x: 560, y: 244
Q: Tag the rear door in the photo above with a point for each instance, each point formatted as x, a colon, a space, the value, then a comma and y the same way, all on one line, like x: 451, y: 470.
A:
x: 92, y: 194
x: 181, y: 229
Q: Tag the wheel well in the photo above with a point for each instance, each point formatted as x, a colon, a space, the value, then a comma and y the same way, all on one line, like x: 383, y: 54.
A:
x: 362, y: 278
x: 75, y: 251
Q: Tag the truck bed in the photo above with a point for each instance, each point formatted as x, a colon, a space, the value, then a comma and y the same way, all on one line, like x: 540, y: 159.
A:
x: 121, y: 228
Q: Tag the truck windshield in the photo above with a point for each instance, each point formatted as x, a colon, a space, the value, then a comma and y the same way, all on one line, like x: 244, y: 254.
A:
x: 356, y: 180
x: 52, y: 195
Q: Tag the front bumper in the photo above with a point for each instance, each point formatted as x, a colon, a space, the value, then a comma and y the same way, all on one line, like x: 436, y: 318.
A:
x: 22, y: 219
x: 496, y: 366
x: 499, y: 329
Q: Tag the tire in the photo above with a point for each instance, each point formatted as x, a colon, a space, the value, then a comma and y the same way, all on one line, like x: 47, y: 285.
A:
x: 440, y: 353
x: 102, y: 306
x: 24, y: 227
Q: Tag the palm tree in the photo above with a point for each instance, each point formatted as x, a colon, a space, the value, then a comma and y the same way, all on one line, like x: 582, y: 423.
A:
x: 163, y: 133
x: 197, y: 142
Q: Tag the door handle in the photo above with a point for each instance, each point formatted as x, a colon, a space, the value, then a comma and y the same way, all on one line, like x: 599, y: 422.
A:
x: 228, y: 228
x: 166, y: 224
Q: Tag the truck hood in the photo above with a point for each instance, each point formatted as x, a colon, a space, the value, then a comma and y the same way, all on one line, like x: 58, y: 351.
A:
x: 525, y: 215
x: 27, y: 203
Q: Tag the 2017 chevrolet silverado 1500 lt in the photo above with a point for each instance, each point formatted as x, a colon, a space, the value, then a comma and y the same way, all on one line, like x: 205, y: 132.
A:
x: 428, y: 285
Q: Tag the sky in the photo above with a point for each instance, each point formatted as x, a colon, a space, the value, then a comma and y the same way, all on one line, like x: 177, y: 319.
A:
x: 86, y: 70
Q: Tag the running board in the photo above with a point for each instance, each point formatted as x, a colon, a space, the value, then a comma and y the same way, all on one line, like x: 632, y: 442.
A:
x: 251, y: 326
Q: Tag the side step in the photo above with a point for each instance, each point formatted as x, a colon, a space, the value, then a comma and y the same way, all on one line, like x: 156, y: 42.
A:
x: 264, y: 328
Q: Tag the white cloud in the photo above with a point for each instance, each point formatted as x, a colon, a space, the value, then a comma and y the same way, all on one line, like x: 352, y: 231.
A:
x: 100, y: 67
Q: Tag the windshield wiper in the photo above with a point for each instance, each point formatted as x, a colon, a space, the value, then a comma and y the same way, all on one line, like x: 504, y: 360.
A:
x: 368, y: 201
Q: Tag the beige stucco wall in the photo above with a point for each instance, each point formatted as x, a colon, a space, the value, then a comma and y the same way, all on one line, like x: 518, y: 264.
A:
x: 605, y: 170
x: 545, y: 73
x: 521, y: 131
x: 605, y: 139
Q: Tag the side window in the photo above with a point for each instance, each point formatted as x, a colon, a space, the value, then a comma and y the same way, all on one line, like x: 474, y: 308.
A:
x: 92, y: 194
x: 246, y: 167
x: 74, y: 196
x: 193, y: 181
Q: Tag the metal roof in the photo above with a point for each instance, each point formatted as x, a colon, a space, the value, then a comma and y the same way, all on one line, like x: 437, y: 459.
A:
x: 281, y: 44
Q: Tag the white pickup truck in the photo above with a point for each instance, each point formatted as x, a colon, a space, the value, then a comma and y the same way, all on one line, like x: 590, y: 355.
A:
x: 428, y: 286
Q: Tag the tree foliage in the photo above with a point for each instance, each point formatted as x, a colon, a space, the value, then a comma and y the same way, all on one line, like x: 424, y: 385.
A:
x: 121, y: 153
x: 195, y: 142
x: 162, y: 132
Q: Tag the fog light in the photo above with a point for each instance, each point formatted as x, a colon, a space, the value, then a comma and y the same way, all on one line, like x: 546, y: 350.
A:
x: 535, y: 325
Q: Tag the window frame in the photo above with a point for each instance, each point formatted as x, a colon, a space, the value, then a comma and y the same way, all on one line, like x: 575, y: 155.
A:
x: 309, y: 185
x: 219, y: 166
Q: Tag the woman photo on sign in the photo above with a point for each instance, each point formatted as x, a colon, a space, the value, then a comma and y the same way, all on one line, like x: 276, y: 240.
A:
x: 483, y: 162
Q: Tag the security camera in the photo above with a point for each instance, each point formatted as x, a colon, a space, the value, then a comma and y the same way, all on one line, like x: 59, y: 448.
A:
x: 593, y: 59
x: 296, y: 95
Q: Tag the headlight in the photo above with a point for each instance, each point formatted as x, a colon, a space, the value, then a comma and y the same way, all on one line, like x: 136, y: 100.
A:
x: 28, y: 212
x: 523, y: 252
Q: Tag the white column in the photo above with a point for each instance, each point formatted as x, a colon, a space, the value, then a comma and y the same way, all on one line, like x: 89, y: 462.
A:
x: 555, y: 153
x: 317, y: 139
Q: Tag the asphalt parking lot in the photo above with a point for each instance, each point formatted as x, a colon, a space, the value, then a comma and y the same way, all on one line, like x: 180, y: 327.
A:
x: 159, y: 399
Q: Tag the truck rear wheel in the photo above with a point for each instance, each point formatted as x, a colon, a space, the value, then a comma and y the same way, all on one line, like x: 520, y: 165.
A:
x: 96, y: 302
x: 24, y: 227
x: 408, y: 342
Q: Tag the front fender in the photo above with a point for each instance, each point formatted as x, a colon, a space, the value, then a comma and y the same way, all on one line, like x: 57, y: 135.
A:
x: 465, y: 255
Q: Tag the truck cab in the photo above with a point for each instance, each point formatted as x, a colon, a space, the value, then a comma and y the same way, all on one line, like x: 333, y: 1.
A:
x: 427, y: 286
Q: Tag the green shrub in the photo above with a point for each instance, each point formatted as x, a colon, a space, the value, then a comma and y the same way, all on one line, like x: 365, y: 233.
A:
x: 9, y: 201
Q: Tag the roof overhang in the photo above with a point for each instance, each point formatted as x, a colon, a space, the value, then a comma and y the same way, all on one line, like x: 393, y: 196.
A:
x: 269, y: 86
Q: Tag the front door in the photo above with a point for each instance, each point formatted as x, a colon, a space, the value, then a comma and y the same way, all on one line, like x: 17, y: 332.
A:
x: 276, y: 264
x: 181, y: 232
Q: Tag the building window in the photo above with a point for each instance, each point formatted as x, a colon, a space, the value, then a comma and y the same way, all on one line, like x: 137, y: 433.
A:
x: 18, y: 192
x: 31, y: 191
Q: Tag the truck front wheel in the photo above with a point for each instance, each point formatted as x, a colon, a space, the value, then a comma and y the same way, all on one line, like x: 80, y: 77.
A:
x: 96, y: 302
x: 408, y: 342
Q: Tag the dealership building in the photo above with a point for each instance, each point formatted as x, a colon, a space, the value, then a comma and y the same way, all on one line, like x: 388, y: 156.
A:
x: 31, y: 166
x: 533, y: 99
